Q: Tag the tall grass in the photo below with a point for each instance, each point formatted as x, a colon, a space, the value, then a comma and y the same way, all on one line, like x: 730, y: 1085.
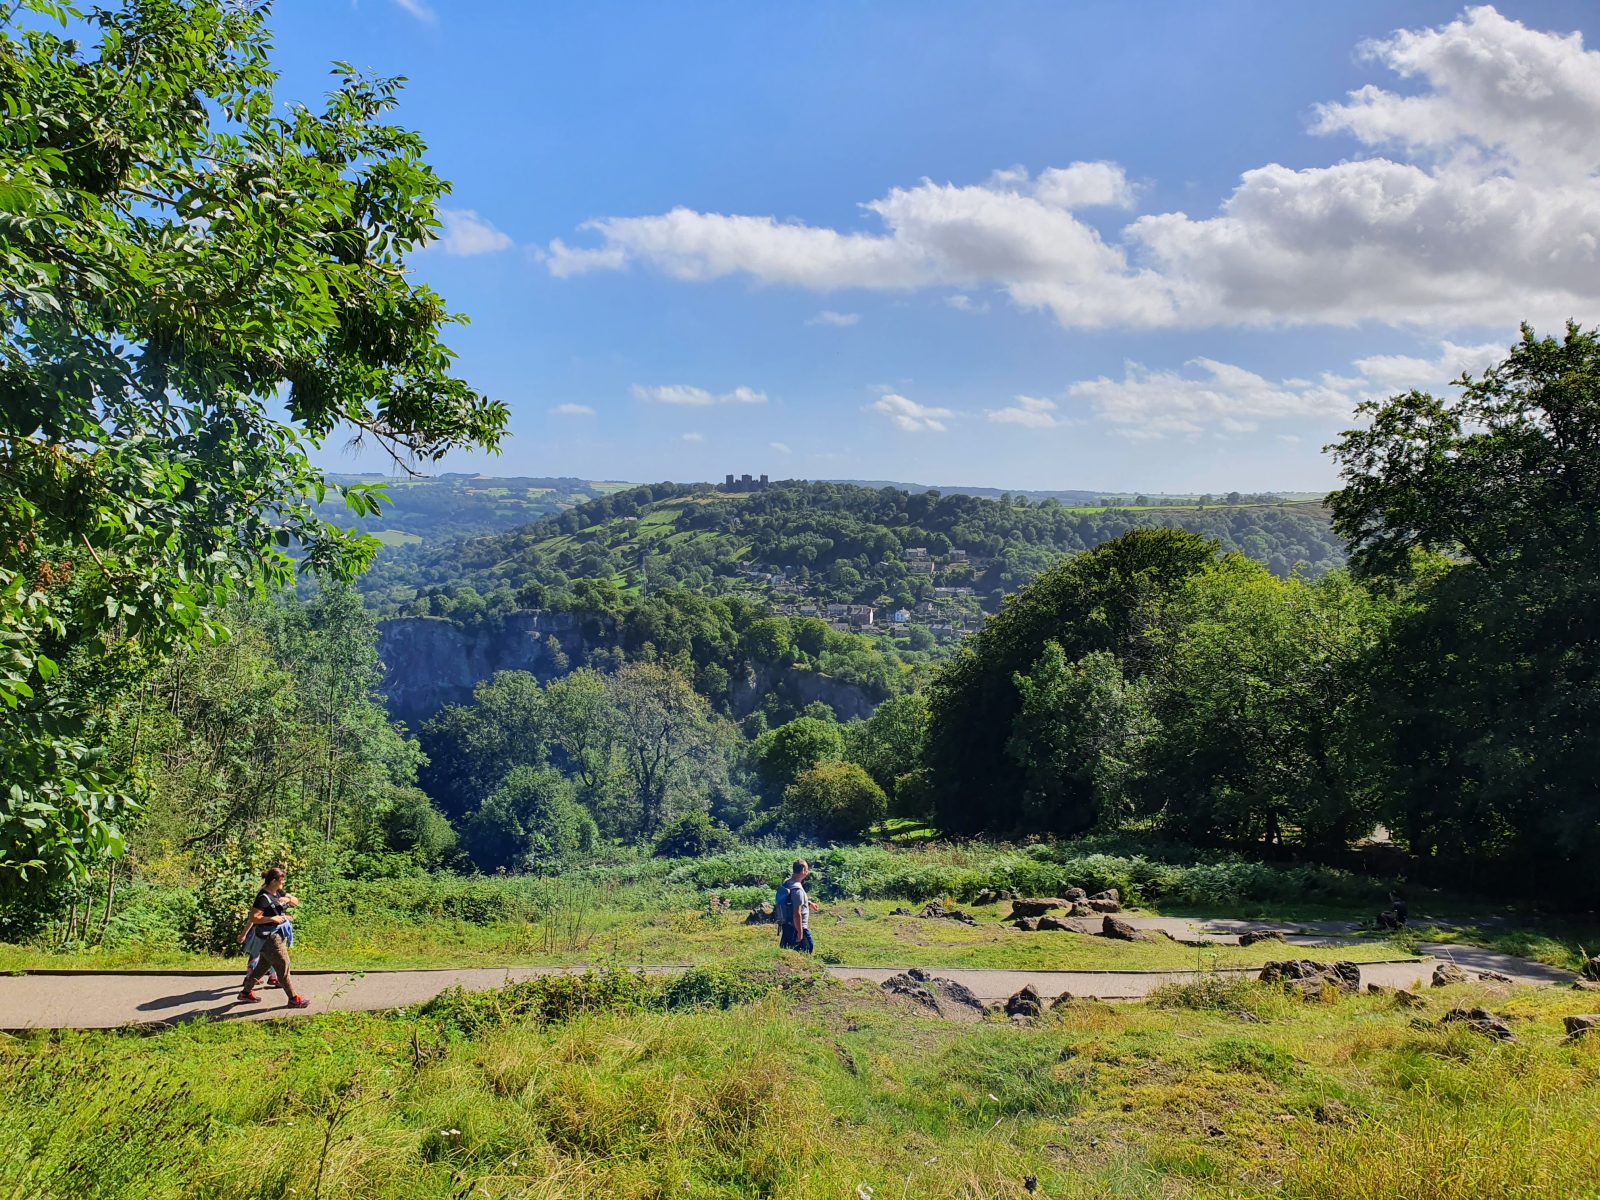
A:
x: 819, y: 1091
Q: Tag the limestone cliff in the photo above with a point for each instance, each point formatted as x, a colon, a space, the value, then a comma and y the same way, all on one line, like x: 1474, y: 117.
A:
x: 429, y: 662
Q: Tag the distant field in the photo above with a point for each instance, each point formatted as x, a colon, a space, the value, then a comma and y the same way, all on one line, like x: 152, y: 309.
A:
x: 396, y: 537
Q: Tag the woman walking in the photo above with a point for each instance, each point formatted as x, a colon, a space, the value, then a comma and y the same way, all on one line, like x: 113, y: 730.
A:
x: 271, y: 928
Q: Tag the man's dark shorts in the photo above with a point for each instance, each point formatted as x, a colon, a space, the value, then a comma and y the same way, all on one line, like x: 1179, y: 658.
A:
x: 786, y: 940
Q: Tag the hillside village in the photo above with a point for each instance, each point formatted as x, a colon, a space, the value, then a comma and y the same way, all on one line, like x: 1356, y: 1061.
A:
x: 951, y: 611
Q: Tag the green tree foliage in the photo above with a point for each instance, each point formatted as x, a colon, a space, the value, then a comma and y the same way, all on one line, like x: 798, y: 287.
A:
x: 177, y: 251
x: 667, y: 743
x: 1079, y: 733
x: 693, y: 835
x: 781, y: 755
x: 1488, y: 694
x: 277, y: 728
x: 1260, y: 692
x: 470, y: 750
x: 1104, y: 600
x: 833, y: 800
x: 890, y: 743
x: 529, y: 821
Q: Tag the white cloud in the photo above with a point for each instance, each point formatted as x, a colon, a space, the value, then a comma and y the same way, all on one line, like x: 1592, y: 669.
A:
x: 1031, y: 411
x: 419, y: 10
x: 1217, y: 397
x: 1473, y: 200
x: 694, y: 437
x: 572, y: 410
x: 1084, y: 185
x: 696, y: 397
x: 781, y: 447
x: 466, y: 234
x: 838, y: 320
x: 910, y: 416
x: 962, y: 302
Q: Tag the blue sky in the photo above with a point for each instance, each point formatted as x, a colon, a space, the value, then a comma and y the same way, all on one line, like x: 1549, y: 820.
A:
x: 1039, y: 245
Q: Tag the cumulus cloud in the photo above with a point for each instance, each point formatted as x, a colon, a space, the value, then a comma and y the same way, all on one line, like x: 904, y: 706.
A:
x: 1211, y: 397
x: 910, y: 416
x: 1474, y: 199
x: 962, y: 302
x: 572, y: 410
x: 781, y: 447
x: 466, y: 234
x: 696, y: 397
x: 839, y: 320
x: 1034, y: 412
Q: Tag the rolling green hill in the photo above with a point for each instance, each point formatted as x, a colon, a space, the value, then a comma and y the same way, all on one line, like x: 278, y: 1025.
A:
x: 433, y: 509
x: 803, y: 545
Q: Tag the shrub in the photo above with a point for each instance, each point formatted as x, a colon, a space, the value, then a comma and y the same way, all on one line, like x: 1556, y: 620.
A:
x: 530, y: 820
x: 693, y: 835
x: 834, y: 800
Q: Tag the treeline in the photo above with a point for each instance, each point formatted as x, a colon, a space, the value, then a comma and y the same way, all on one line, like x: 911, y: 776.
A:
x: 1447, y: 686
x: 533, y: 775
x: 835, y: 542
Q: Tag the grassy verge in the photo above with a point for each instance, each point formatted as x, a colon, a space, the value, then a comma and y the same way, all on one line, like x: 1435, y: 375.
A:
x: 864, y: 934
x: 815, y: 1090
x: 655, y: 911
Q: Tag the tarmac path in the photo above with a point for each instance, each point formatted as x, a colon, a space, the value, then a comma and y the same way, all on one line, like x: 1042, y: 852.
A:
x: 109, y: 1000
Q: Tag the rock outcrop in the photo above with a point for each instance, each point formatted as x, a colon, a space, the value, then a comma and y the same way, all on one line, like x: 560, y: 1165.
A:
x: 1479, y: 1020
x: 1121, y: 930
x: 431, y: 662
x: 1310, y: 979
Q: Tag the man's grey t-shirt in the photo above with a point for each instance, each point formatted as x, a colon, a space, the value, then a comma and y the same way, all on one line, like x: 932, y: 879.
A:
x: 793, y: 893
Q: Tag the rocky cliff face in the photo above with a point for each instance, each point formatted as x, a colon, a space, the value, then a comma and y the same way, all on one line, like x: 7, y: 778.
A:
x: 429, y: 663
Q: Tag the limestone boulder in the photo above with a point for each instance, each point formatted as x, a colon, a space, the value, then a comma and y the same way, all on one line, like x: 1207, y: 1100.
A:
x: 1312, y: 979
x: 1581, y: 1025
x: 1111, y: 927
x: 1479, y: 1020
x: 1036, y: 906
x: 1025, y: 1003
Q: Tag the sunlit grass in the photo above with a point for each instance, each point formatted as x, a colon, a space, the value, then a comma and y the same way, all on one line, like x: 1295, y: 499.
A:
x: 863, y: 934
x: 819, y: 1093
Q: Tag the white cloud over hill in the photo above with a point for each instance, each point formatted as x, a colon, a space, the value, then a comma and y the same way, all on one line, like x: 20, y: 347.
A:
x: 1474, y: 200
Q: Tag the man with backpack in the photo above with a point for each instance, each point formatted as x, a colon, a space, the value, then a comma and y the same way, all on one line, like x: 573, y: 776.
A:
x: 793, y: 909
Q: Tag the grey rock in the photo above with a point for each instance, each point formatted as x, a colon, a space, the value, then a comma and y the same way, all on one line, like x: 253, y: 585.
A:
x: 1121, y: 930
x: 1447, y: 973
x: 1025, y: 1003
x: 1035, y: 906
x: 762, y: 914
x: 913, y: 989
x: 1251, y: 936
x: 1310, y: 979
x: 1479, y: 1020
x: 938, y: 912
x: 1102, y: 905
x: 1056, y: 925
x: 1074, y: 894
x: 1581, y: 1025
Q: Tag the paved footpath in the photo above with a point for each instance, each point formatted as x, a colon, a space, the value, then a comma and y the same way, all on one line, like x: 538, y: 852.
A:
x: 74, y: 1000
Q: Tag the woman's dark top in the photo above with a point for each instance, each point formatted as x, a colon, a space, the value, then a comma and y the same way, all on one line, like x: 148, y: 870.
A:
x: 269, y: 905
